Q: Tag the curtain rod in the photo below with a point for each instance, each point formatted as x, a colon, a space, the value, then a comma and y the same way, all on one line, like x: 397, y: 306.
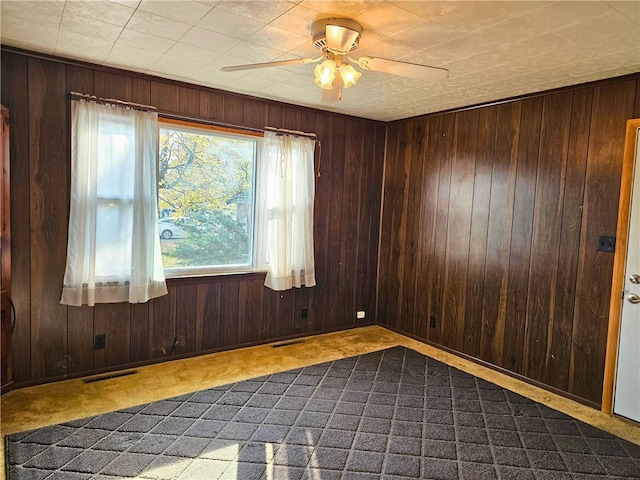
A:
x: 111, y: 101
x: 138, y: 106
x: 292, y: 132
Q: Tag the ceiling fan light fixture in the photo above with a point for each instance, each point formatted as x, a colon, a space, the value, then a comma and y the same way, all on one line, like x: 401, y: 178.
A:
x: 349, y: 75
x: 325, y: 74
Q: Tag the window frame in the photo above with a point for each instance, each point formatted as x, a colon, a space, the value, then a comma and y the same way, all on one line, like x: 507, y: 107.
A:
x: 257, y: 260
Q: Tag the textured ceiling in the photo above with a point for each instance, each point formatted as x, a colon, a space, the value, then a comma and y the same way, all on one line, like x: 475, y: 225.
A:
x: 493, y: 49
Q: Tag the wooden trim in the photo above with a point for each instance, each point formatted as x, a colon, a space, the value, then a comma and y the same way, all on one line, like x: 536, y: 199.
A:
x: 617, y: 285
x: 195, y: 123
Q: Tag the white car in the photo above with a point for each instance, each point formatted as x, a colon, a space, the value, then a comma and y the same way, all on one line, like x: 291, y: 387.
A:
x: 168, y: 228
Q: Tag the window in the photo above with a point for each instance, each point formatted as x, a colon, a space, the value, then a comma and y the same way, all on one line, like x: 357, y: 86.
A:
x: 206, y: 198
x: 113, y: 250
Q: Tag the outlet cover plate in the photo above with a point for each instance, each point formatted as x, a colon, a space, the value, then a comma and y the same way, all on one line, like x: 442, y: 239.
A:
x: 360, y: 314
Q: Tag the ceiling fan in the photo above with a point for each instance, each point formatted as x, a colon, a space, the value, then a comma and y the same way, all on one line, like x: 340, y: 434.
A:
x: 336, y: 38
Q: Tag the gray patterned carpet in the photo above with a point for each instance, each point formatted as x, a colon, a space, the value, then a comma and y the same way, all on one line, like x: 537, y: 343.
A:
x: 391, y: 414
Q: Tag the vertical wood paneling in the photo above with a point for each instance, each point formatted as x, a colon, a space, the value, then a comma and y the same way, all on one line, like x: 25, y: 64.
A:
x: 80, y: 325
x: 250, y: 311
x: 546, y: 180
x: 186, y: 302
x: 424, y: 228
x: 162, y: 324
x: 371, y: 188
x: 49, y: 173
x: 612, y: 106
x: 428, y: 221
x: 321, y: 218
x: 254, y: 113
x: 547, y: 220
x: 15, y: 97
x: 234, y: 110
x: 229, y: 293
x: 80, y: 339
x: 165, y: 97
x: 139, y: 332
x: 211, y: 105
x: 383, y: 310
x: 560, y: 351
x: 188, y: 101
x: 349, y: 225
x: 407, y: 237
x: 219, y: 312
x: 499, y: 232
x: 112, y: 85
x: 141, y: 91
x: 479, y: 230
x: 521, y: 234
x: 112, y: 320
x: 332, y: 308
x: 208, y: 316
x: 241, y: 311
x: 459, y: 228
x: 444, y: 149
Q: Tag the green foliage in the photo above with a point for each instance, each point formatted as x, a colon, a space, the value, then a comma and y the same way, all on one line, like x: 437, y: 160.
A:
x: 213, y: 238
x: 199, y: 173
x: 199, y: 170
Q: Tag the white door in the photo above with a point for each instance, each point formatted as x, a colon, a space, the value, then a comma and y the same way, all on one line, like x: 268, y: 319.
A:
x: 627, y: 391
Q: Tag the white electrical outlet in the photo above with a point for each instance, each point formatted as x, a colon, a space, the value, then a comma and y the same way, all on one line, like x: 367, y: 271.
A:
x: 360, y: 314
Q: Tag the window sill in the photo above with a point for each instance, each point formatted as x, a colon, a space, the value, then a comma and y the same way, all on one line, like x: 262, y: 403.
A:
x: 216, y: 278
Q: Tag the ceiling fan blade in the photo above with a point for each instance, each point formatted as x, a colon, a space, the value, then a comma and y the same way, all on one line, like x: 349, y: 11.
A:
x: 334, y: 94
x: 404, y: 69
x: 252, y: 66
x: 340, y: 39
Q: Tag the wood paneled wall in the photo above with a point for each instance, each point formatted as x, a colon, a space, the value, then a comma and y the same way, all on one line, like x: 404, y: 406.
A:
x: 52, y: 340
x: 490, y: 225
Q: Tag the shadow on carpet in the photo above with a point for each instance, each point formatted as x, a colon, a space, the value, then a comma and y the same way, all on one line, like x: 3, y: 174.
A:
x: 390, y: 414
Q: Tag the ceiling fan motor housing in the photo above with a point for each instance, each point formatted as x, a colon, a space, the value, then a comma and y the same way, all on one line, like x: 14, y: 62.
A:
x: 337, y: 35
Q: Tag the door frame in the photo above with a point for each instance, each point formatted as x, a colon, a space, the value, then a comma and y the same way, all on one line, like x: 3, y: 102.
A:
x: 617, y: 283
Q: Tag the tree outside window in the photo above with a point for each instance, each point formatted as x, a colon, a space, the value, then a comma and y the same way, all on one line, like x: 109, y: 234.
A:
x: 206, y: 185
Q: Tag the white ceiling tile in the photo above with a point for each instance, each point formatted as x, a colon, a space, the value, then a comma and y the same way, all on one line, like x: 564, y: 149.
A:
x: 559, y: 14
x: 340, y: 8
x: 385, y: 48
x: 630, y: 9
x: 472, y: 16
x: 103, y: 10
x: 297, y: 20
x: 602, y: 29
x: 144, y: 41
x: 27, y: 32
x: 228, y: 23
x: 130, y: 56
x: 278, y: 39
x: 191, y: 52
x: 45, y: 12
x: 181, y: 67
x: 261, y: 11
x: 213, y: 41
x: 388, y: 18
x: 156, y: 25
x: 187, y: 11
x: 535, y: 45
x: 127, y: 3
x: 429, y: 10
x: 27, y: 45
x: 90, y: 27
x: 426, y: 35
x: 252, y: 53
x: 83, y: 47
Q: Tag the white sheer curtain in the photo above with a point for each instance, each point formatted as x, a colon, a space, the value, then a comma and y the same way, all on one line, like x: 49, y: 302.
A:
x: 288, y: 193
x: 113, y: 251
